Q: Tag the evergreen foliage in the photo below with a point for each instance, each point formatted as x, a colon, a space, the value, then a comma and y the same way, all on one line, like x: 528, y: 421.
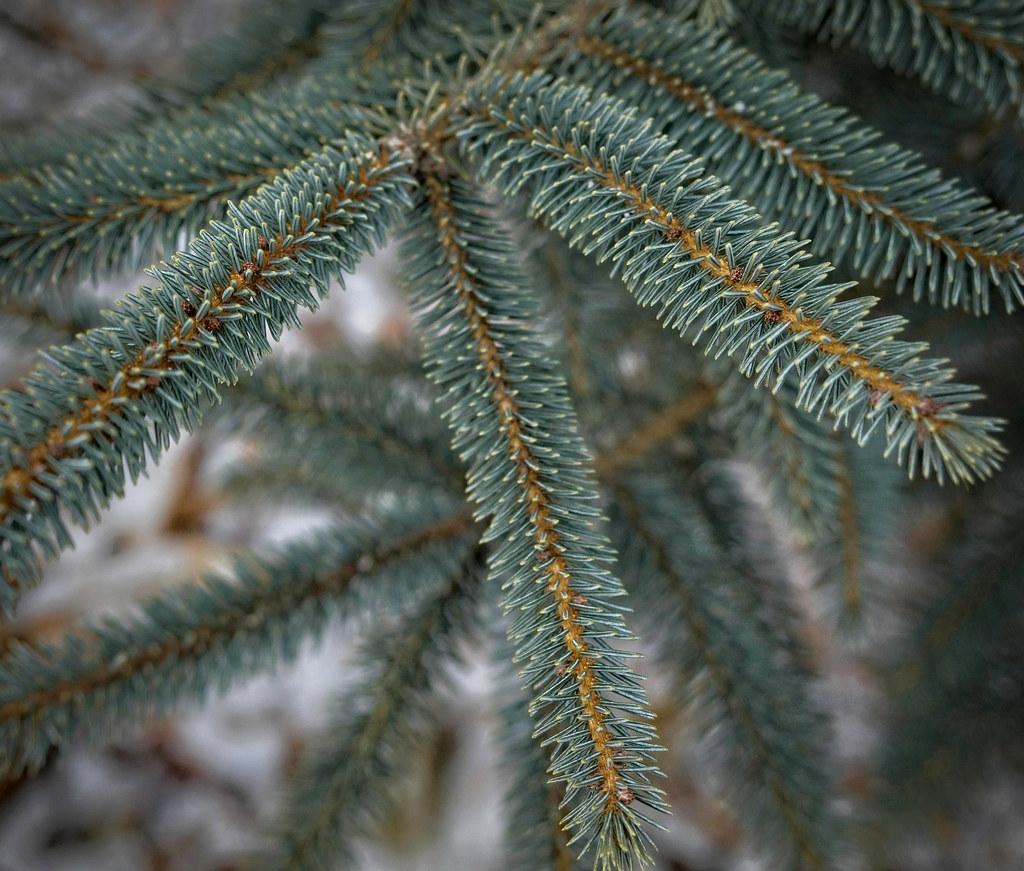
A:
x: 206, y: 635
x: 796, y: 158
x: 967, y: 50
x: 344, y: 781
x: 553, y: 474
x: 719, y: 272
x: 744, y: 680
x: 476, y: 312
x: 95, y: 409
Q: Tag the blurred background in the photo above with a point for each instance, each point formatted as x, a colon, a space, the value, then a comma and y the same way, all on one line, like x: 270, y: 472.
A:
x: 196, y: 791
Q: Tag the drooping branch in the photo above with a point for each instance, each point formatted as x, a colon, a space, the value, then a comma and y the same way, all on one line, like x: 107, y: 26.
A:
x: 527, y: 471
x: 704, y: 260
x: 346, y: 780
x: 125, y: 204
x: 105, y: 678
x: 119, y: 392
x: 971, y: 51
x: 818, y: 169
x: 746, y: 679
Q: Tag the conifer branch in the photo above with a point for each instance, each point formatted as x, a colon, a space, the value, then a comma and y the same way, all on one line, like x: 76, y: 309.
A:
x: 967, y: 50
x: 128, y: 389
x: 270, y: 479
x: 793, y: 450
x: 365, y: 437
x: 684, y: 246
x: 367, y: 110
x: 831, y: 490
x: 123, y: 205
x: 636, y: 387
x: 776, y: 748
x: 849, y: 537
x: 181, y: 135
x: 358, y: 423
x: 207, y: 636
x: 279, y: 41
x: 956, y: 690
x: 656, y: 430
x: 527, y: 471
x: 267, y: 55
x: 852, y: 550
x: 343, y: 784
x: 119, y: 206
x: 534, y: 840
x: 819, y: 170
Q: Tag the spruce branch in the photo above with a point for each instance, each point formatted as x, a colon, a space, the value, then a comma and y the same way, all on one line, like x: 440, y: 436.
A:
x: 343, y: 784
x: 513, y: 426
x: 396, y: 36
x: 970, y: 51
x: 276, y: 41
x: 118, y: 207
x: 657, y: 429
x: 379, y: 108
x: 268, y: 54
x: 635, y: 386
x: 816, y: 168
x: 126, y: 390
x: 534, y: 840
x: 793, y: 450
x: 602, y: 178
x: 369, y: 429
x: 955, y: 689
x: 273, y: 39
x: 745, y: 678
x: 121, y: 206
x: 868, y: 499
x: 205, y: 637
x: 369, y: 433
x: 834, y: 493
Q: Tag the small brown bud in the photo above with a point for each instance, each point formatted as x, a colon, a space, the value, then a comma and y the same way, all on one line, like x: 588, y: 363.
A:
x: 263, y: 242
x: 674, y: 233
x: 625, y: 796
x: 432, y: 166
x: 927, y: 407
x: 772, y: 317
x: 211, y: 324
x: 736, y: 273
x: 188, y: 309
x: 579, y: 599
